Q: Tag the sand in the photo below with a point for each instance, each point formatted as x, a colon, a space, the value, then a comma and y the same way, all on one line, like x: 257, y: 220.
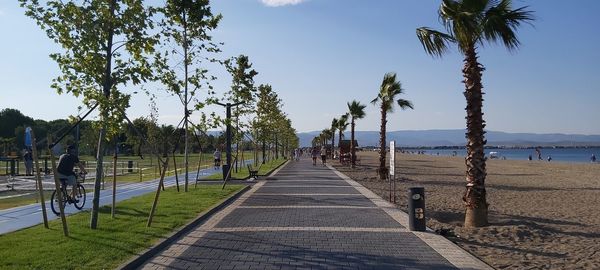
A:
x: 543, y: 215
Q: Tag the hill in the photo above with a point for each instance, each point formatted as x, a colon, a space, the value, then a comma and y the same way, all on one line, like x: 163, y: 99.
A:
x: 456, y: 137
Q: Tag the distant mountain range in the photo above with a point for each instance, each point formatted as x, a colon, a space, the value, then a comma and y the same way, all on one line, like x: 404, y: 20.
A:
x: 456, y: 137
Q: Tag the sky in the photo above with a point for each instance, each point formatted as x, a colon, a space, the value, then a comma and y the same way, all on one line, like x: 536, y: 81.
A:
x: 320, y: 54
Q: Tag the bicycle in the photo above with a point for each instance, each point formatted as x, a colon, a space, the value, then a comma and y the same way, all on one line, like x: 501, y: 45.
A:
x: 67, y: 198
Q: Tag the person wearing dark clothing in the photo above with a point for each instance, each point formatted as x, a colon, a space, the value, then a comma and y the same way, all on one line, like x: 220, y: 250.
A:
x: 593, y: 158
x: 66, y: 164
x: 28, y: 160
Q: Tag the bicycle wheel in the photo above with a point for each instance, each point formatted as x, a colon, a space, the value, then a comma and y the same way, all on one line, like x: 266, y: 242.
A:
x: 80, y: 197
x: 54, y: 203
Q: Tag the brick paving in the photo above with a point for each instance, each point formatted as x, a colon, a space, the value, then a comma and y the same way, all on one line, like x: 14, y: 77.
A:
x: 310, y: 217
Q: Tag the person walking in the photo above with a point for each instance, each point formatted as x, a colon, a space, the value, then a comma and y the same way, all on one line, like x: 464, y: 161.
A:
x: 314, y: 154
x: 323, y: 155
x: 593, y: 158
x: 28, y: 160
x: 217, y: 158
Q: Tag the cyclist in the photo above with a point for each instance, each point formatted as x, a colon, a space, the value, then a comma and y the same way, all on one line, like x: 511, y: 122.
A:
x: 66, y: 163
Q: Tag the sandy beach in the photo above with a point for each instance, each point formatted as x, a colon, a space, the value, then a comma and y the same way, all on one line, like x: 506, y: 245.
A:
x: 543, y: 215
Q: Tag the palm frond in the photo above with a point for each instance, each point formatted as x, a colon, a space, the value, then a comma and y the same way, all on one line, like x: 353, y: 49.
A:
x: 404, y: 104
x: 501, y: 22
x: 434, y: 42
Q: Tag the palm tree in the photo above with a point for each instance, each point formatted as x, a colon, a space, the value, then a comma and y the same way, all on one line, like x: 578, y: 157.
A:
x: 389, y: 90
x: 326, y: 134
x: 341, y: 127
x: 356, y: 111
x: 470, y: 24
x: 334, y: 124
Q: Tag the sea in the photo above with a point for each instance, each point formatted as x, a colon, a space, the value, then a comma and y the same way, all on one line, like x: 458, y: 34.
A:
x: 577, y: 155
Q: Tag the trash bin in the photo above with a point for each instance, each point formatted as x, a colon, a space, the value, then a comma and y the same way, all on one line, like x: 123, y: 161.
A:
x: 225, y: 171
x: 12, y: 168
x: 130, y: 166
x: 416, y: 209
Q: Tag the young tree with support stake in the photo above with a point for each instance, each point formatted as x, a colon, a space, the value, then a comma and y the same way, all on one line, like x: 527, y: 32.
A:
x: 470, y: 24
x: 105, y: 46
x: 187, y: 24
x: 242, y: 91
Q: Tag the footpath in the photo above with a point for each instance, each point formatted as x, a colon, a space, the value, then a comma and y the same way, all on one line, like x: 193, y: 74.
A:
x: 17, y: 218
x: 310, y: 217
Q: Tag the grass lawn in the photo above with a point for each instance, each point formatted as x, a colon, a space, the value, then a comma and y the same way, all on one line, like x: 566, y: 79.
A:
x: 243, y: 171
x: 32, y: 196
x: 115, y: 241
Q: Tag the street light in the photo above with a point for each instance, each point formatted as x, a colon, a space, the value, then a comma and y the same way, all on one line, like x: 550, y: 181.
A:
x: 228, y: 136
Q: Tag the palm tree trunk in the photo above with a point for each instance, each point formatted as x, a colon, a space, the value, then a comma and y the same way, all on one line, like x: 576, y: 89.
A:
x: 352, y: 150
x: 382, y: 169
x: 475, y: 194
x: 340, y: 145
x: 332, y: 145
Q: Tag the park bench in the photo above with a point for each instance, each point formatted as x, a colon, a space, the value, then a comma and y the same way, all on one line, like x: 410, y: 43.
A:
x: 253, y: 172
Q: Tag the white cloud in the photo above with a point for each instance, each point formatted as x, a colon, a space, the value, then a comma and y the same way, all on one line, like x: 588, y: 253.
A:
x: 279, y: 3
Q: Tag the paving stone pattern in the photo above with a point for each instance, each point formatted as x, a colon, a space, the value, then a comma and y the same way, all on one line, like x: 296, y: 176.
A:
x: 305, y: 217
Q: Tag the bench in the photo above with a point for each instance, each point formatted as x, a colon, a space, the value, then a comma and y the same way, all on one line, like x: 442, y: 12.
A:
x: 253, y: 173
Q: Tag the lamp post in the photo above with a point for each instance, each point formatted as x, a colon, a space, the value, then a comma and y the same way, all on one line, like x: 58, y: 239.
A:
x: 228, y: 135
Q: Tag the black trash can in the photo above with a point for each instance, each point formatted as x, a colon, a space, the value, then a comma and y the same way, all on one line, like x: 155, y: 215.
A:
x: 225, y: 171
x: 13, y: 172
x: 416, y: 209
x: 130, y: 166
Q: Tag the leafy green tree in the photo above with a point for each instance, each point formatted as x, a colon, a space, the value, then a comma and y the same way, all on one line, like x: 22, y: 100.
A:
x: 11, y: 119
x: 242, y: 90
x: 105, y: 45
x: 356, y: 111
x: 388, y: 91
x: 267, y: 112
x: 187, y: 25
x: 470, y: 24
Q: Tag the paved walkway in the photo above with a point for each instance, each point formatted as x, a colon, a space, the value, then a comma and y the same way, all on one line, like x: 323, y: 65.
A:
x: 17, y: 218
x: 311, y: 217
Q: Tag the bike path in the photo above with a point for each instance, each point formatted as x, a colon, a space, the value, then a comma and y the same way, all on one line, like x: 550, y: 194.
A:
x: 17, y: 218
x: 310, y: 217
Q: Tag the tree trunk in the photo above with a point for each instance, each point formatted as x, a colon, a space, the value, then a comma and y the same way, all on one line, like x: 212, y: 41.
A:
x: 333, y: 144
x: 382, y: 169
x: 340, y: 144
x: 264, y: 151
x: 475, y: 194
x: 107, y: 85
x: 352, y: 150
x: 185, y: 102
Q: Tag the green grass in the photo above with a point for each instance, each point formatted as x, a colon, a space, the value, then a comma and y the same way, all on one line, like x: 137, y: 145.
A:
x: 115, y: 241
x: 243, y: 171
x: 32, y: 196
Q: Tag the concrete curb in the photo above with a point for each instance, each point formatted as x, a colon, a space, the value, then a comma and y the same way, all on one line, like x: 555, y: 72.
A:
x: 457, y: 256
x: 146, y: 255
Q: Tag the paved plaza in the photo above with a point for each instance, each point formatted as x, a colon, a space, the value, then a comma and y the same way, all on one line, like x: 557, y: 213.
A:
x: 310, y: 217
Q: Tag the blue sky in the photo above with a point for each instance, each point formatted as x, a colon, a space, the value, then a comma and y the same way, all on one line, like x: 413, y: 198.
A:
x: 319, y: 54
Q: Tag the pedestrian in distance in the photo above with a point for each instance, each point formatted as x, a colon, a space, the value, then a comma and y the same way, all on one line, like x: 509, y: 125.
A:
x: 323, y: 155
x: 217, y: 158
x: 28, y: 160
x: 593, y: 158
x: 314, y: 153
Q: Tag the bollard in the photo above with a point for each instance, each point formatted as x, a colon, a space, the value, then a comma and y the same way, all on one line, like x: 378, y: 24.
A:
x: 416, y: 209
